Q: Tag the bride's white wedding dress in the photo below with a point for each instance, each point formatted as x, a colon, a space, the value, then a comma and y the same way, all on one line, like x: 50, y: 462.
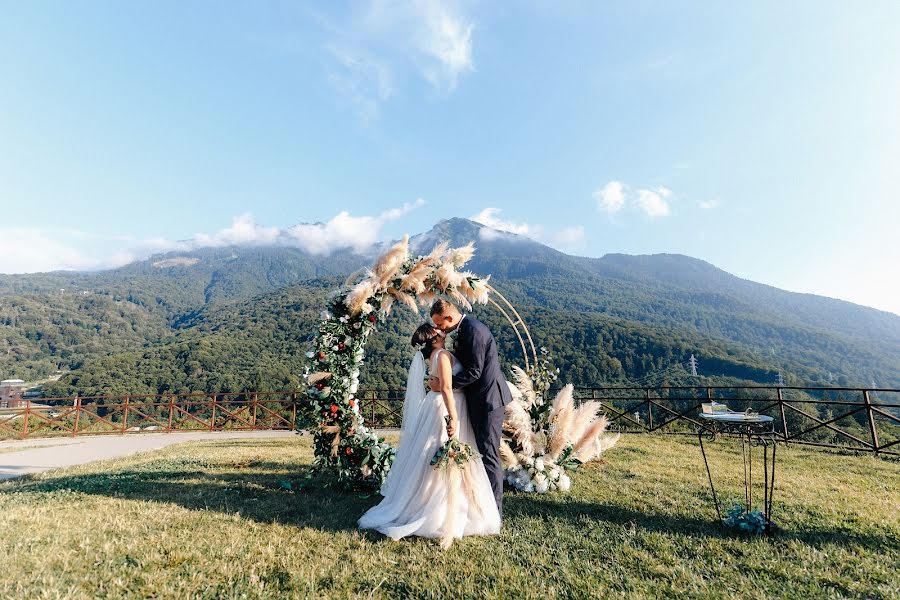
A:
x: 416, y: 495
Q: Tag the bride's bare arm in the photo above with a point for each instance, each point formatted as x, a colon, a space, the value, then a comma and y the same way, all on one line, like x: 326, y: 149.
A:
x: 445, y: 373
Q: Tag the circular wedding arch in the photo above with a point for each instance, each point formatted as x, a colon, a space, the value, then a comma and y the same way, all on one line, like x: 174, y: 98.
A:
x: 343, y: 444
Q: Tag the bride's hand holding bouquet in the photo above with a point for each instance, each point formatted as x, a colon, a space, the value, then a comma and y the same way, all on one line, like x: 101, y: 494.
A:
x: 453, y: 452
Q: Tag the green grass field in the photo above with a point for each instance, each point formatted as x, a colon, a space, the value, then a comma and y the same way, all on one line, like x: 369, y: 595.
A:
x: 214, y: 520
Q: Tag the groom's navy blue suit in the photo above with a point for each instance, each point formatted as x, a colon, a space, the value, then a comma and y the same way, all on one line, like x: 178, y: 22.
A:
x: 486, y: 391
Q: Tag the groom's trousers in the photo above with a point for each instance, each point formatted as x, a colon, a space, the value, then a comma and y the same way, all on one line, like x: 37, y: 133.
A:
x: 488, y: 427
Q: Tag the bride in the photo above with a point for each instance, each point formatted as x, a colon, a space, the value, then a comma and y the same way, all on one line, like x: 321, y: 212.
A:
x: 419, y: 499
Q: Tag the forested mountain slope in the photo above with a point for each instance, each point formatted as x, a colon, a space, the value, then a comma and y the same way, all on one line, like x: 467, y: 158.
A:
x: 237, y: 318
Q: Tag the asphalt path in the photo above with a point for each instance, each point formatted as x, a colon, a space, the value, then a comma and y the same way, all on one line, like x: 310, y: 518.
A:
x: 34, y: 455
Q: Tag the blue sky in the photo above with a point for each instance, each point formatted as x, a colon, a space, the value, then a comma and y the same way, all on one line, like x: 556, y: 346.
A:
x: 763, y: 138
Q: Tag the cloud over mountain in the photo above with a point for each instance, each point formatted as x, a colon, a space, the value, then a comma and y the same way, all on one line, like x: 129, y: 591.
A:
x: 34, y: 250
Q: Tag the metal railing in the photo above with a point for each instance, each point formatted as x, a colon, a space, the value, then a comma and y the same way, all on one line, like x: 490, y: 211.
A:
x: 846, y: 418
x: 843, y: 418
x: 96, y: 415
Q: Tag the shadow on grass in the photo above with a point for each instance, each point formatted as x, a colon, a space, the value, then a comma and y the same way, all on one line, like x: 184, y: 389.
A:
x: 256, y: 490
x: 272, y: 492
x: 578, y: 512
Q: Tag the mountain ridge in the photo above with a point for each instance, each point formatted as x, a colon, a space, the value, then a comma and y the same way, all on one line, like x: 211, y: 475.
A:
x: 776, y: 329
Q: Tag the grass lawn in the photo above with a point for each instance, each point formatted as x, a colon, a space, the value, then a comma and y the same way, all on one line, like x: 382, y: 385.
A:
x: 213, y: 519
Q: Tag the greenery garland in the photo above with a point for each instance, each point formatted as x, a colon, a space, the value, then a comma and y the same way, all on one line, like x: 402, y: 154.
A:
x: 330, y: 409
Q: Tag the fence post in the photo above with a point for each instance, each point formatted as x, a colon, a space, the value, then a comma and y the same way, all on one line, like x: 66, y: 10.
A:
x: 212, y: 421
x: 649, y: 409
x: 77, y: 404
x: 171, y: 410
x: 709, y: 397
x: 253, y: 416
x: 125, y: 416
x: 784, y: 428
x: 871, y: 416
x: 293, y: 411
x: 25, y: 425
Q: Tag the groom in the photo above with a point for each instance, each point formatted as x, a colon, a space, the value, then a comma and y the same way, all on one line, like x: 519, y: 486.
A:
x: 482, y: 382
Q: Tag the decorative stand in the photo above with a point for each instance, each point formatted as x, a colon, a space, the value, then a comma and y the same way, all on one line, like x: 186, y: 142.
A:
x: 753, y: 430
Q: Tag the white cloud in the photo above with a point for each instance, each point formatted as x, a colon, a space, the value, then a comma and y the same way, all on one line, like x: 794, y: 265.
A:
x: 363, y: 79
x: 28, y: 250
x: 345, y: 231
x: 489, y: 217
x: 446, y: 36
x: 568, y: 237
x: 392, y: 214
x: 654, y: 202
x: 707, y: 204
x: 244, y: 231
x: 488, y: 234
x: 610, y: 197
x: 615, y: 196
x: 31, y: 250
x: 381, y: 42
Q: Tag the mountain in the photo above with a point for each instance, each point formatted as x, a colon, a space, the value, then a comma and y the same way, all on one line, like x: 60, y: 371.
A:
x: 56, y: 321
x: 809, y: 335
x: 236, y: 318
x: 176, y: 282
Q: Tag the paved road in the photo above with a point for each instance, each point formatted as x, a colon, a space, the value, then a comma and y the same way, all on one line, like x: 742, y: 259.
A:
x: 20, y: 457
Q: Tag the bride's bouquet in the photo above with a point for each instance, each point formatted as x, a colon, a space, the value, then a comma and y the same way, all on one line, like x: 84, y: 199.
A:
x: 453, y: 452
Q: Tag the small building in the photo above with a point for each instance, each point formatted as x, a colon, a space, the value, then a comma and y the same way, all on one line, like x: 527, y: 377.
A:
x: 11, y: 391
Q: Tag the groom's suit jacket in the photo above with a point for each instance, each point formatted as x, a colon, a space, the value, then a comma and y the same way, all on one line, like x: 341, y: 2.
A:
x: 481, y: 379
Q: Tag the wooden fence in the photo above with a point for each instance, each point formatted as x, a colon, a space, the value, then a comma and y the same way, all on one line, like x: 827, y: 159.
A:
x: 857, y: 419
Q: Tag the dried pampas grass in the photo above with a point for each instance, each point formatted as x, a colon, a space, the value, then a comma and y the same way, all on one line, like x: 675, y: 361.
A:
x: 480, y: 291
x: 438, y: 252
x: 318, y: 376
x: 582, y: 419
x: 387, y: 302
x: 532, y: 450
x: 359, y: 295
x: 605, y: 442
x: 460, y: 299
x: 426, y: 298
x: 444, y: 277
x: 524, y: 386
x: 561, y: 420
x: 414, y: 281
x: 588, y: 447
x: 508, y: 457
x: 459, y: 256
x: 404, y: 298
x: 353, y: 278
x: 518, y: 422
x: 387, y: 266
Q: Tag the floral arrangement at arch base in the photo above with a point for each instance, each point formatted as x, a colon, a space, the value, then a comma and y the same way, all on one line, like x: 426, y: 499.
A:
x: 545, y: 441
x: 330, y: 409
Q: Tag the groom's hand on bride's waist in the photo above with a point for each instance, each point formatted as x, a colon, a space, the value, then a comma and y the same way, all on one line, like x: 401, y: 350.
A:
x: 434, y: 383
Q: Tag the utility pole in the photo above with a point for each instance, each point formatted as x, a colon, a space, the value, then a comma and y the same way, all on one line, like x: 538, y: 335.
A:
x: 780, y: 381
x: 693, y: 362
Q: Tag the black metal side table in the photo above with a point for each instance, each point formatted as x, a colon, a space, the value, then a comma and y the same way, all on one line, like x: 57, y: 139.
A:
x: 753, y: 430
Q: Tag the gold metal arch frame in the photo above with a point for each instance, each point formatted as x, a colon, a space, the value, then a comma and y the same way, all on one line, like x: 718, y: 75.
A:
x: 515, y: 320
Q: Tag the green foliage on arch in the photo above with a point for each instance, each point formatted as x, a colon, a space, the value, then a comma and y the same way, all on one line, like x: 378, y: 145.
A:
x: 342, y: 442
